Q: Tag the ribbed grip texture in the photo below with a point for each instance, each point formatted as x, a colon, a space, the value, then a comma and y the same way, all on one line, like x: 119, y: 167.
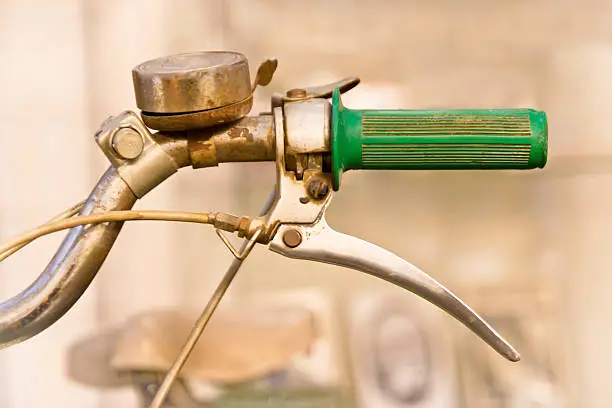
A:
x: 478, y: 139
x: 379, y: 156
x: 436, y: 152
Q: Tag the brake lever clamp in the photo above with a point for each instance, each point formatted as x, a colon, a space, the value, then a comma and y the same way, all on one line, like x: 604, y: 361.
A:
x: 295, y: 224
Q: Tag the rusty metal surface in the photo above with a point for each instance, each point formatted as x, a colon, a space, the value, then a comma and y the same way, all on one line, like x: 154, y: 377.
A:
x: 77, y: 261
x: 145, y: 171
x: 191, y: 82
x: 200, y: 119
x: 265, y: 72
x: 71, y: 270
x: 175, y: 146
x: 248, y: 140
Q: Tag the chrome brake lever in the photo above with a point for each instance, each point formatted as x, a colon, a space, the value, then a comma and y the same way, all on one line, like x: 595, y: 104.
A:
x: 295, y: 227
x: 319, y: 242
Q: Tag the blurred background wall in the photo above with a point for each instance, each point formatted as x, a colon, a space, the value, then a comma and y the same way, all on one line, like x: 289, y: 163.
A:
x: 536, y: 245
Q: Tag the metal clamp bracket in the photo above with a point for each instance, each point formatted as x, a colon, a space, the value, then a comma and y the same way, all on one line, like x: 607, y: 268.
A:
x: 130, y: 147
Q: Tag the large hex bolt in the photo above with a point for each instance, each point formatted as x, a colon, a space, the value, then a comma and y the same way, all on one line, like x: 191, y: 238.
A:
x: 127, y: 143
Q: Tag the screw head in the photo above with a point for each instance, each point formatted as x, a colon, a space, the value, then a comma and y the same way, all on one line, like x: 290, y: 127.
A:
x: 292, y: 238
x: 318, y: 188
x: 128, y: 143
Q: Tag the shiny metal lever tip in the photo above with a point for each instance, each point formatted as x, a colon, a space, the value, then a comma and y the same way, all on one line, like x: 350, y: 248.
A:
x: 323, y: 244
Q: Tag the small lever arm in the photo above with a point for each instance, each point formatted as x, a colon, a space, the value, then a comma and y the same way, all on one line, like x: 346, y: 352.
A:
x: 321, y: 91
x: 319, y: 242
x: 325, y: 91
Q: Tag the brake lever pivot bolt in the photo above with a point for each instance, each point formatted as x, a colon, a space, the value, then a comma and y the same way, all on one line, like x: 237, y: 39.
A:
x: 292, y: 238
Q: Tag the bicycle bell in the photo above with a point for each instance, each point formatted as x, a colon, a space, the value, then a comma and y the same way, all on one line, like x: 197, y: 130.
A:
x: 195, y: 90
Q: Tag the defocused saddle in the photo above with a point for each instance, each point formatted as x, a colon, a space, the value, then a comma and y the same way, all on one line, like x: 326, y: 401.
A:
x: 237, y: 346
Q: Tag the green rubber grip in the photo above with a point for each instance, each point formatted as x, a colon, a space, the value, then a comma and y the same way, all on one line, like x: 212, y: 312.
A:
x: 484, y: 139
